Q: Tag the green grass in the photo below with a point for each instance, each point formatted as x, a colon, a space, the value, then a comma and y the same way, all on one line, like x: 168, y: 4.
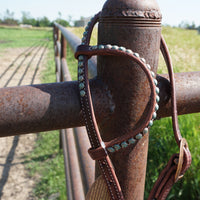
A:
x: 18, y: 37
x: 47, y: 162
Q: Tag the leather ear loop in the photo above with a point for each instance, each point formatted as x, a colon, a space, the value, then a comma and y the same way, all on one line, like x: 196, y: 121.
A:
x: 177, y: 134
x: 178, y: 163
x: 98, y: 153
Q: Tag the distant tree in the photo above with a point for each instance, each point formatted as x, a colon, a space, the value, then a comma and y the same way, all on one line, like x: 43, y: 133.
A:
x: 187, y: 25
x: 27, y: 19
x: 9, y: 18
x: 44, y: 22
x: 62, y: 21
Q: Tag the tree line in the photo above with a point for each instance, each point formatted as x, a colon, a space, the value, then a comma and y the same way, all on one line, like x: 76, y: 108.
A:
x: 9, y: 19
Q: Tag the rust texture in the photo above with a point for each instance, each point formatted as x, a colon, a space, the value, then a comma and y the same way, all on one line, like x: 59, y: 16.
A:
x: 32, y: 109
x: 187, y: 91
x: 128, y: 83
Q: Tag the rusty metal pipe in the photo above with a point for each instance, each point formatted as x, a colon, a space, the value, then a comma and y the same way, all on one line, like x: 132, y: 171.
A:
x: 58, y: 47
x: 58, y: 68
x: 55, y: 106
x: 63, y: 47
x: 187, y: 91
x: 67, y: 166
x: 76, y: 183
x: 29, y: 109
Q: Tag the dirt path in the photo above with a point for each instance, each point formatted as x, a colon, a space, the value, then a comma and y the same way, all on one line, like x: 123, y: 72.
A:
x: 20, y: 66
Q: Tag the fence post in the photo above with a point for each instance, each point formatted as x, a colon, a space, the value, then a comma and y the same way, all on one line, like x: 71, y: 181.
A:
x: 135, y: 25
x: 57, y: 50
x: 63, y: 54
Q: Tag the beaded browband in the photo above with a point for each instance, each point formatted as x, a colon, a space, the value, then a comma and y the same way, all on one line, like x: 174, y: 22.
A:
x: 100, y: 150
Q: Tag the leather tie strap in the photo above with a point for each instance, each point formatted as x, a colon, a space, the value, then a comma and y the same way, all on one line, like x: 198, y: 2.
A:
x: 178, y: 163
x: 100, y: 150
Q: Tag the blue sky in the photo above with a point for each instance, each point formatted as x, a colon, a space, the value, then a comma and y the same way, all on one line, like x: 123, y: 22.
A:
x: 174, y: 11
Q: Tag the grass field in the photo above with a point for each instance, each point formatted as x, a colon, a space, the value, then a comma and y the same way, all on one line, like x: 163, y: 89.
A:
x: 47, y: 160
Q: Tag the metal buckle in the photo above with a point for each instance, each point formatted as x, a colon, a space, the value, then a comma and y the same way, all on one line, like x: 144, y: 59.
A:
x: 178, y: 175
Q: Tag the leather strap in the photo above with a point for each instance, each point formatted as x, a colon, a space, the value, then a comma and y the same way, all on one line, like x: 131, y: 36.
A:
x: 178, y: 163
x: 99, y: 150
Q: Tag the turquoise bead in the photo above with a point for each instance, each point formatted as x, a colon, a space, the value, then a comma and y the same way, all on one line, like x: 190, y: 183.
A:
x: 148, y: 66
x: 83, y: 39
x: 151, y: 123
x: 81, y: 85
x: 115, y: 47
x: 108, y: 46
x: 85, y: 33
x: 124, y: 144
x: 122, y: 49
x: 143, y: 60
x: 81, y: 78
x: 80, y: 71
x: 138, y: 136
x: 136, y: 54
x: 131, y: 141
x: 155, y: 82
x: 117, y: 147
x: 80, y: 64
x: 82, y: 93
x: 80, y: 58
x: 157, y: 98
x: 152, y: 74
x: 157, y: 90
x: 111, y: 149
x: 156, y: 107
x: 154, y: 115
x: 129, y: 51
x: 145, y: 131
x: 101, y: 47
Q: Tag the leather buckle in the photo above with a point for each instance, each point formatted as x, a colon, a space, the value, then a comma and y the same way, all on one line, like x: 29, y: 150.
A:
x: 178, y: 175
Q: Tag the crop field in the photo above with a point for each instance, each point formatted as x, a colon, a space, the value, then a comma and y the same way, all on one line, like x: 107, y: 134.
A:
x: 45, y: 163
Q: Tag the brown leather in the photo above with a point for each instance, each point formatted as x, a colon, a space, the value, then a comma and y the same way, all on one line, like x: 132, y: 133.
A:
x: 98, y: 150
x: 169, y: 175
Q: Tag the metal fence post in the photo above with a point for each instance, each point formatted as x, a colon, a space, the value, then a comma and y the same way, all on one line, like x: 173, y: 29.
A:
x: 135, y: 25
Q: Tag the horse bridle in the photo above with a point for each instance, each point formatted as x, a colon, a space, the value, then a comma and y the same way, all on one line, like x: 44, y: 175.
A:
x: 100, y: 150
